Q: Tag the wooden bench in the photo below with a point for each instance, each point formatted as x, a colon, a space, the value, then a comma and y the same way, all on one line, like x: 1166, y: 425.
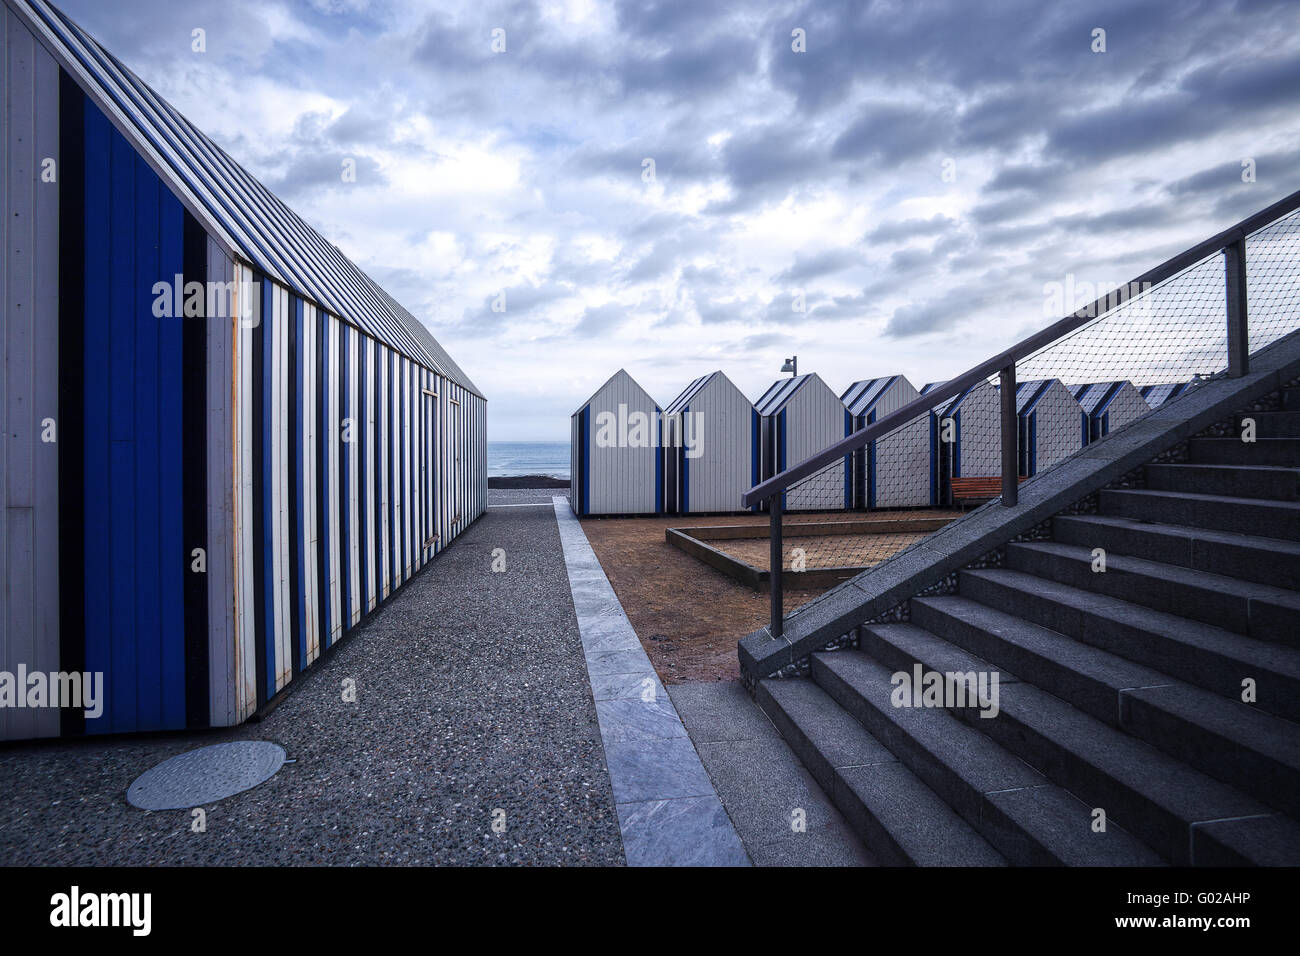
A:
x: 978, y: 488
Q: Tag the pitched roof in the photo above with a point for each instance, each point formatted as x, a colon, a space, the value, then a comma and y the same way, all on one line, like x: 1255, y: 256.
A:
x: 780, y: 392
x: 688, y: 393
x: 234, y: 208
x: 860, y: 396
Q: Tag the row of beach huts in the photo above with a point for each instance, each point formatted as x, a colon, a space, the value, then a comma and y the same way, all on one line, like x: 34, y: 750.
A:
x: 711, y: 444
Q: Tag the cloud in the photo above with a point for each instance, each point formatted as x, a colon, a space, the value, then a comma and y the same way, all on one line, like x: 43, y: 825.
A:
x: 775, y: 170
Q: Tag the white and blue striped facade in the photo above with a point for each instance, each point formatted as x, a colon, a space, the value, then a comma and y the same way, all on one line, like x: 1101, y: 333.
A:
x: 972, y: 423
x: 1048, y: 427
x: 234, y: 488
x: 893, y: 471
x: 712, y: 447
x: 1106, y: 406
x: 616, y: 438
x: 799, y: 417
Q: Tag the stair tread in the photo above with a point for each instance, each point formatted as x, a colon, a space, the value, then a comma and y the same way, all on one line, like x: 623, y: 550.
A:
x: 1272, y: 840
x: 1110, y: 669
x: 1230, y: 740
x: 1286, y: 506
x: 926, y: 829
x: 1293, y: 469
x: 1275, y: 737
x: 1169, y: 572
x: 978, y: 759
x: 1252, y: 651
x: 1056, y: 823
x: 1208, y: 535
x: 1183, y: 794
x: 1161, y: 779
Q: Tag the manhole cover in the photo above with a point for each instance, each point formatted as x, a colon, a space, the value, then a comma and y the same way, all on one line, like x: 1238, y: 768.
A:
x: 205, y: 775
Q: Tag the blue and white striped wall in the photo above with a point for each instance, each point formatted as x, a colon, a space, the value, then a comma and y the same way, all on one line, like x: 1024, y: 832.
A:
x: 226, y: 499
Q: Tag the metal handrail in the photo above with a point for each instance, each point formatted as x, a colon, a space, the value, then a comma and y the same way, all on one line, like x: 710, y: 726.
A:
x: 1230, y: 237
x: 1231, y: 243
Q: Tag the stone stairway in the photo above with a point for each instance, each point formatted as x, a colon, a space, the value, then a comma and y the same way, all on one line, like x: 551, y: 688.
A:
x: 1120, y: 690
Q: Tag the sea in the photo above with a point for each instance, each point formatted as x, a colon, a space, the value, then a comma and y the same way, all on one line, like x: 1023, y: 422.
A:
x: 510, y: 458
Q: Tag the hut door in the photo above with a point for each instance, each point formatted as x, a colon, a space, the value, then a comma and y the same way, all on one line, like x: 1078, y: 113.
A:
x: 454, y: 437
x: 429, y: 470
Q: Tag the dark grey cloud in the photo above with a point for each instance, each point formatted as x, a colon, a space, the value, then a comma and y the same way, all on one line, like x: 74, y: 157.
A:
x: 828, y: 262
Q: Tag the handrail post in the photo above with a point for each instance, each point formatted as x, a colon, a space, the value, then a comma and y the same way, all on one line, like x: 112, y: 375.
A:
x: 1234, y: 257
x: 1010, y: 459
x: 776, y: 562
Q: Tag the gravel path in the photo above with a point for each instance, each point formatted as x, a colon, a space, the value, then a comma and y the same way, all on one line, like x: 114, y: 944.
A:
x: 472, y: 696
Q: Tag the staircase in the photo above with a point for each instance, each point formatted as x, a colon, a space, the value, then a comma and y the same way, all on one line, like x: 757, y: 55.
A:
x: 1120, y: 693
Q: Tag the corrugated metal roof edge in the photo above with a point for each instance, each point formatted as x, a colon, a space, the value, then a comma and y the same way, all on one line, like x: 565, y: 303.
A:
x: 128, y: 127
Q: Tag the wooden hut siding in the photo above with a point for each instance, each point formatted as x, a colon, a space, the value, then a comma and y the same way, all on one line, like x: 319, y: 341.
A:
x: 801, y: 416
x: 1106, y: 406
x: 29, y: 358
x: 975, y: 448
x: 271, y: 440
x: 716, y: 417
x: 1048, y: 424
x: 893, y: 471
x: 617, y: 478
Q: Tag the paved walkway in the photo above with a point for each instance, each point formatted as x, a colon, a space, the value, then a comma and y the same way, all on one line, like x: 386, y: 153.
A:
x: 472, y: 696
x: 667, y: 808
x: 477, y: 691
x: 783, y: 817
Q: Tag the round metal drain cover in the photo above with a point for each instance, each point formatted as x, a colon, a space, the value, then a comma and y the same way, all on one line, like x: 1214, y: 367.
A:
x: 205, y: 775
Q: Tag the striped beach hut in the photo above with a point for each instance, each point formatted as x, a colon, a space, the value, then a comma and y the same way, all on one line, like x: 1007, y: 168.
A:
x: 711, y: 447
x: 225, y: 444
x: 800, y: 417
x: 1157, y: 395
x: 1048, y: 429
x: 893, y: 471
x: 1105, y: 406
x: 615, y: 459
x: 967, y: 437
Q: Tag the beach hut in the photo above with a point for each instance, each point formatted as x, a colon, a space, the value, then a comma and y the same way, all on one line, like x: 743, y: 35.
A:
x: 225, y: 444
x: 893, y: 471
x: 1048, y: 428
x: 1105, y: 406
x: 1157, y: 395
x: 967, y: 437
x: 800, y: 416
x: 711, y: 447
x: 615, y: 455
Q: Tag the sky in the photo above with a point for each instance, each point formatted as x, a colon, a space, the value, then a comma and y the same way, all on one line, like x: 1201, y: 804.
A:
x: 559, y: 190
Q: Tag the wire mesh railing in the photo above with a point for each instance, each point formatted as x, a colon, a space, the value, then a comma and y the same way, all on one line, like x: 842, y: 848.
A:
x: 914, y: 460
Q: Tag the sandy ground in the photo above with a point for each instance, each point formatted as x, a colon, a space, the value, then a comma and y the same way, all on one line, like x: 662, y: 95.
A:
x: 689, y: 616
x: 823, y: 551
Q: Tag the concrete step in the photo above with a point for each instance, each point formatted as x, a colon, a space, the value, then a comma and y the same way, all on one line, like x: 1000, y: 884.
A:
x: 1266, y: 519
x: 1291, y: 399
x: 1027, y: 819
x: 897, y: 816
x: 1148, y: 793
x: 1238, y: 481
x: 1272, y: 840
x: 1258, y: 610
x: 1200, y: 654
x: 1273, y: 561
x: 1234, y: 451
x: 1231, y: 741
x: 1281, y: 424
